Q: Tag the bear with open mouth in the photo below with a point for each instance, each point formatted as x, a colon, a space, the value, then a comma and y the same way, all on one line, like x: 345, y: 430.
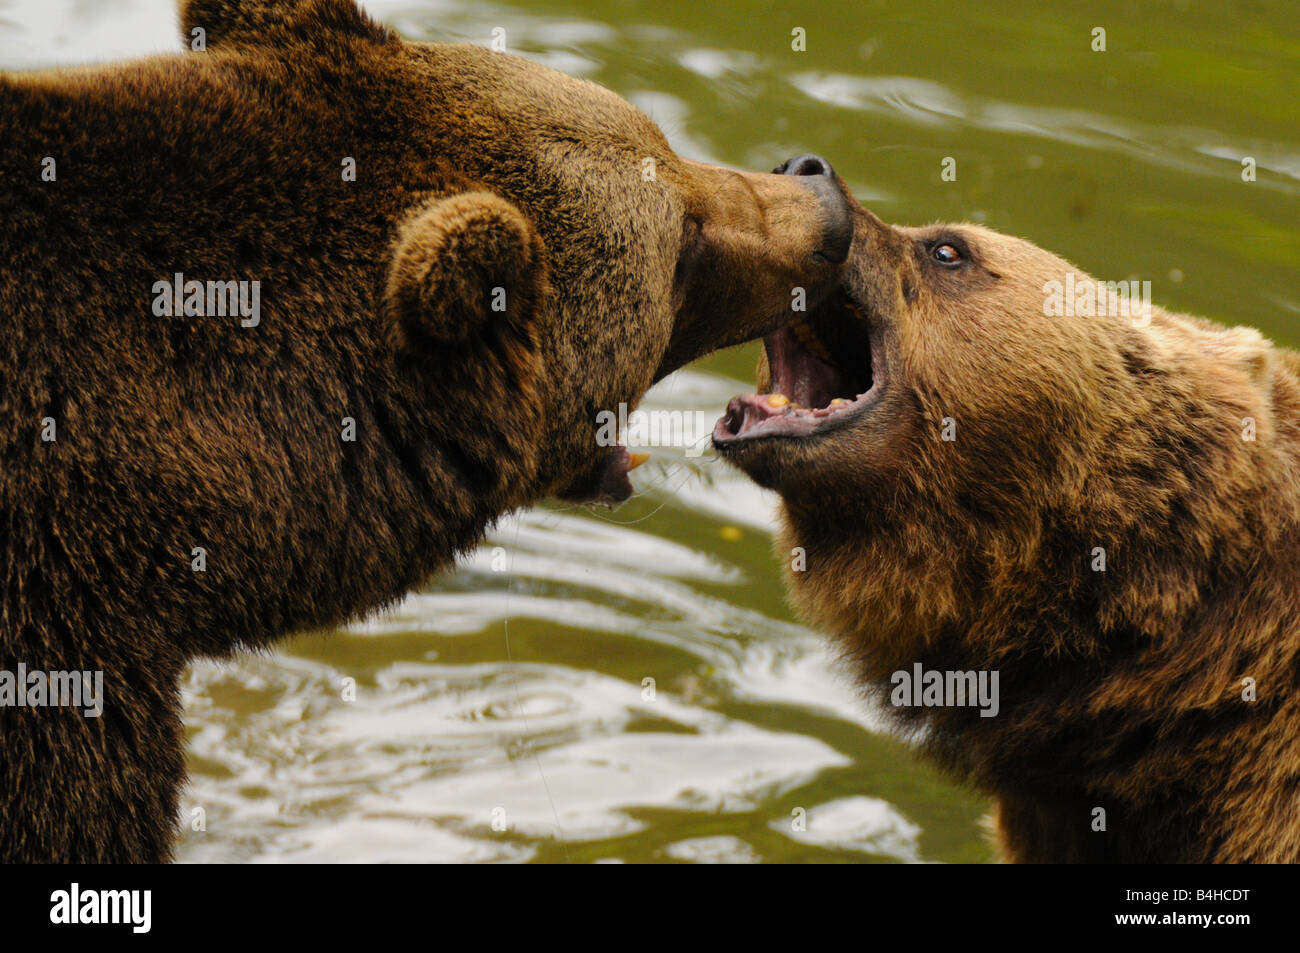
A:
x: 1102, y: 508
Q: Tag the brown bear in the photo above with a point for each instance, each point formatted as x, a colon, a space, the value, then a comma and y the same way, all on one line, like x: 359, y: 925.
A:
x: 992, y: 477
x: 288, y: 321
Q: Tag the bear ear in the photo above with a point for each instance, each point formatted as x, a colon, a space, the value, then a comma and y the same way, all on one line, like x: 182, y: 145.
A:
x: 464, y: 283
x: 274, y: 22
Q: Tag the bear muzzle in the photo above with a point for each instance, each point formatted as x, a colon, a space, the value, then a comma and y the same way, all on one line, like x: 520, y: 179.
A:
x: 837, y: 224
x: 815, y: 375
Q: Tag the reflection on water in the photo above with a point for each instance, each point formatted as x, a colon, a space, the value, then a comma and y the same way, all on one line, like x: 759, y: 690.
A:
x: 629, y: 685
x: 585, y: 680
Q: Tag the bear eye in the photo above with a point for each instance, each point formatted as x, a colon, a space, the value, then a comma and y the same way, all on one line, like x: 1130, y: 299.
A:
x: 946, y: 254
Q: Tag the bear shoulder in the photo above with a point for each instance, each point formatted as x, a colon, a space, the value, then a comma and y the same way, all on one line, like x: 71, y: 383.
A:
x: 266, y: 22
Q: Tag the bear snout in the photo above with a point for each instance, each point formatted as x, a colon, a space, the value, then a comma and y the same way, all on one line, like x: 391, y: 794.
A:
x: 837, y: 228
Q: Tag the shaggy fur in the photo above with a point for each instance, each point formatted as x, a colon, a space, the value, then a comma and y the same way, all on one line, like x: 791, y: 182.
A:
x: 1120, y: 689
x: 475, y: 171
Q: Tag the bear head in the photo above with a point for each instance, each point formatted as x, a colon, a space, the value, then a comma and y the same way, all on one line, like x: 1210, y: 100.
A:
x: 553, y: 256
x: 972, y: 423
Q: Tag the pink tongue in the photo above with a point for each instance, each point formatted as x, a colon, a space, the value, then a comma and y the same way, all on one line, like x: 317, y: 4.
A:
x: 800, y: 375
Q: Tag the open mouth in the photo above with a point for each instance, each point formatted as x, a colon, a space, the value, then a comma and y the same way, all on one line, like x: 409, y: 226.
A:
x: 824, y: 371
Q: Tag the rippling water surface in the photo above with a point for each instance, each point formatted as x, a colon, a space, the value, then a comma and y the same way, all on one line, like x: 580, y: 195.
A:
x: 503, y: 712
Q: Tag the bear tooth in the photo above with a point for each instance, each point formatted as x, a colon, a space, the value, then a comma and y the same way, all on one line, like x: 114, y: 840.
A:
x: 635, y: 460
x: 777, y: 400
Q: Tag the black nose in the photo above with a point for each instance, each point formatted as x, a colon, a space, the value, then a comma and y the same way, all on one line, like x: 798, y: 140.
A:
x: 837, y: 225
x: 806, y: 164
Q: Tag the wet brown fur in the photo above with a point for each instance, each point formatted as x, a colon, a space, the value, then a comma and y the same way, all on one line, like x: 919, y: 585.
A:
x: 475, y: 170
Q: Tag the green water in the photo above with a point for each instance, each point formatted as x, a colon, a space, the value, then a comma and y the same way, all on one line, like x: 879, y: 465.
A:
x: 513, y: 690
